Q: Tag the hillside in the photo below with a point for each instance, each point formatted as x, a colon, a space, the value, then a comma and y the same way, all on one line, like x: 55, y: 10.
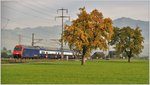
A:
x: 122, y: 22
x: 10, y: 37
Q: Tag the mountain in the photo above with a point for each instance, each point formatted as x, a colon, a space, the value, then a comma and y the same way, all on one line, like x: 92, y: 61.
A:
x: 123, y: 21
x: 50, y: 35
x: 10, y: 37
x: 144, y: 25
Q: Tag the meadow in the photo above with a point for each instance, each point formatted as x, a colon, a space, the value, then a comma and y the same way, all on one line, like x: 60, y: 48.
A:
x: 71, y: 72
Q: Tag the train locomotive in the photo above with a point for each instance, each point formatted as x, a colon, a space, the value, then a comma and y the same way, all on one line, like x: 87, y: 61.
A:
x: 22, y: 51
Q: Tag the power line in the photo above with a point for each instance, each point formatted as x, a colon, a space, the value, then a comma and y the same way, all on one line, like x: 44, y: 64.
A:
x: 35, y: 10
x: 27, y: 37
x: 33, y: 40
x: 28, y: 13
x: 43, y: 5
x: 62, y: 16
x: 39, y: 6
x: 42, y: 41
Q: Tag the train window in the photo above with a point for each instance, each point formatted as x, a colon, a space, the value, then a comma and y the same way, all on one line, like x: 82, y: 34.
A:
x: 43, y: 52
x: 18, y: 49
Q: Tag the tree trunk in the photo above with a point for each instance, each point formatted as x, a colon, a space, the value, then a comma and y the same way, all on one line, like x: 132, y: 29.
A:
x: 83, y: 55
x: 129, y: 54
x: 129, y: 59
x: 83, y: 60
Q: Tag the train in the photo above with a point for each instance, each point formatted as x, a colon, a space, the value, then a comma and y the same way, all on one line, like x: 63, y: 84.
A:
x: 22, y: 51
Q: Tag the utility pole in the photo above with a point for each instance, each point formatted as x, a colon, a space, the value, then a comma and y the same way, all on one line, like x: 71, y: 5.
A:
x: 62, y: 16
x: 33, y: 40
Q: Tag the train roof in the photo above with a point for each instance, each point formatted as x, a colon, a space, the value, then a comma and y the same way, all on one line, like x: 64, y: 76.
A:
x: 60, y: 50
x: 43, y: 48
x: 27, y: 46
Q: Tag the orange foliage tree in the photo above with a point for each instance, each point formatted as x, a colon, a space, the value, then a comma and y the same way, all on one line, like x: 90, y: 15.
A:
x: 89, y: 31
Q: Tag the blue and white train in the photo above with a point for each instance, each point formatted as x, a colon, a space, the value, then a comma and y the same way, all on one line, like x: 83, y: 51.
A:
x: 22, y: 51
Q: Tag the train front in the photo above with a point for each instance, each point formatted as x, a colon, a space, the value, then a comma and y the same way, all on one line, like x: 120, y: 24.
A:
x: 18, y: 50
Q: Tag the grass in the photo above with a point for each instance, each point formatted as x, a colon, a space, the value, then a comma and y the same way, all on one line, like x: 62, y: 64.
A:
x: 71, y: 72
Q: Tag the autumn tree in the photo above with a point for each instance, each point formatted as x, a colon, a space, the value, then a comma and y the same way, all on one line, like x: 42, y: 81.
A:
x: 115, y: 36
x: 128, y: 40
x: 89, y: 31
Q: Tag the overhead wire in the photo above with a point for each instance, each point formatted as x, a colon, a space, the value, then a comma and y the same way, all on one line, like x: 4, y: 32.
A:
x: 15, y: 33
x: 43, y: 5
x: 28, y: 13
x: 10, y: 20
x: 40, y: 7
x: 24, y: 13
x: 34, y: 10
x: 29, y: 37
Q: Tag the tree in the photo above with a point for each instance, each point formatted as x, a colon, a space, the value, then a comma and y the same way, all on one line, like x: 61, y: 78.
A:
x: 115, y: 36
x: 128, y: 41
x: 4, y: 54
x: 89, y: 31
x: 4, y: 49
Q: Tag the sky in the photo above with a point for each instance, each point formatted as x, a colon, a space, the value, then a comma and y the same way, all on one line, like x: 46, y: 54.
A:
x: 33, y: 13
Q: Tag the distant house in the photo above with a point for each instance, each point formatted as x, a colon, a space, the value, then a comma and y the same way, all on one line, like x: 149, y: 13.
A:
x: 6, y: 54
x: 114, y: 54
x: 98, y: 55
x: 111, y: 54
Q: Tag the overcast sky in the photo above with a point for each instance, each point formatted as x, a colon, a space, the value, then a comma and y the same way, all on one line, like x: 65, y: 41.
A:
x: 33, y: 13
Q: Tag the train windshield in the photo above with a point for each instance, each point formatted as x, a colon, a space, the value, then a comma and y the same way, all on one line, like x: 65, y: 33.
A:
x: 18, y: 49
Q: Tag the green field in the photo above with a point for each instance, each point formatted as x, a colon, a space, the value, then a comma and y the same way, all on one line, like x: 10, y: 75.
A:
x: 71, y: 72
